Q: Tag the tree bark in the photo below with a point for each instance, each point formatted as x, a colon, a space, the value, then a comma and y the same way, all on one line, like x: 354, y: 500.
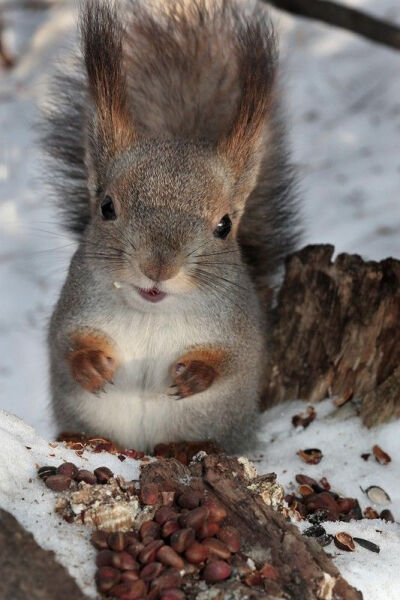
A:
x: 304, y: 571
x: 336, y: 331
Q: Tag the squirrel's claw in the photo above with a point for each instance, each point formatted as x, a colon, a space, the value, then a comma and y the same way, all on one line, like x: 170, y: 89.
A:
x: 174, y: 392
x: 191, y: 376
x: 92, y: 369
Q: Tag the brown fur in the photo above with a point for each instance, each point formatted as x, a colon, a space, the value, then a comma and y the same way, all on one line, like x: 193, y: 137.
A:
x: 242, y: 143
x: 197, y: 369
x: 192, y: 71
x: 182, y: 79
x: 103, y: 53
x: 176, y: 120
x: 92, y: 360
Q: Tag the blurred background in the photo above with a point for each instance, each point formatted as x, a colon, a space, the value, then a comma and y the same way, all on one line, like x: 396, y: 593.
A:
x: 342, y: 95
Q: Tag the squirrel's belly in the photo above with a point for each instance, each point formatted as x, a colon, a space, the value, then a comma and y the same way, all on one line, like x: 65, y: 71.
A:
x: 136, y: 410
x: 132, y: 421
x: 149, y: 347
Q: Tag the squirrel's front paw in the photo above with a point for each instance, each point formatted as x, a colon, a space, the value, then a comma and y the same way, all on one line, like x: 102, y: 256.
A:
x: 92, y: 369
x: 191, y: 377
x: 92, y: 359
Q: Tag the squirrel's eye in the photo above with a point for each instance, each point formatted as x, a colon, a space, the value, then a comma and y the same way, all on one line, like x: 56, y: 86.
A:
x: 107, y: 209
x: 223, y: 227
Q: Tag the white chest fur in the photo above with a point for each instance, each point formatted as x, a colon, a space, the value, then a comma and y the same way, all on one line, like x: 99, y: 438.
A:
x: 137, y: 410
x: 148, y: 345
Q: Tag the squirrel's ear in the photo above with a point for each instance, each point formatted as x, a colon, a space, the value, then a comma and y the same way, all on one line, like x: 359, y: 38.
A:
x: 111, y: 128
x: 243, y: 144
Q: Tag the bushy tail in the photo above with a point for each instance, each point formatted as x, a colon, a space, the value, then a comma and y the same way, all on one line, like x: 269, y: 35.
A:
x: 62, y: 137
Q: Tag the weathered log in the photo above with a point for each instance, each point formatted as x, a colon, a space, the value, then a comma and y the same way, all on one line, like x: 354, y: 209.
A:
x: 304, y: 571
x: 28, y: 571
x: 335, y: 331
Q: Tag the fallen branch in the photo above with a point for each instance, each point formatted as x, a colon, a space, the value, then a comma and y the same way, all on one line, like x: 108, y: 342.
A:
x: 336, y: 332
x: 354, y: 20
x: 5, y: 58
x: 295, y: 566
x: 28, y: 4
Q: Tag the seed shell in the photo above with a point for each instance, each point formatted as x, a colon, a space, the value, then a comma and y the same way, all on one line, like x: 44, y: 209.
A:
x: 304, y: 419
x: 370, y: 513
x: 367, y: 544
x: 182, y: 539
x: 46, y: 471
x: 103, y: 474
x: 344, y: 541
x: 217, y: 570
x: 99, y: 539
x: 58, y: 483
x: 86, y: 476
x: 305, y: 490
x: 68, y: 469
x: 230, y: 536
x: 386, y: 515
x: 325, y: 483
x: 217, y: 548
x: 312, y: 456
x: 116, y: 541
x: 380, y: 455
x: 377, y: 495
x: 106, y: 578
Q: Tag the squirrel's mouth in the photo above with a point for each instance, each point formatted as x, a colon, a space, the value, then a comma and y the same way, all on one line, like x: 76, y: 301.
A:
x: 152, y: 295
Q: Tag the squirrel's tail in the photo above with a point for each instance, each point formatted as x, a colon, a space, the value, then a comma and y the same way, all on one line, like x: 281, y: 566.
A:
x: 62, y: 137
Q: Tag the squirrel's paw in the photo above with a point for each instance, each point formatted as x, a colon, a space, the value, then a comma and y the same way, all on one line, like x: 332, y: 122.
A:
x: 92, y: 369
x: 191, y: 377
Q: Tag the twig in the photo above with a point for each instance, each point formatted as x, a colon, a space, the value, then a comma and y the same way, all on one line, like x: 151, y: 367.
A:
x: 370, y: 27
x: 27, y: 4
x: 5, y: 58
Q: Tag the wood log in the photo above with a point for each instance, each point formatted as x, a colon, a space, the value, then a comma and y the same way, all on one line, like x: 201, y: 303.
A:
x: 302, y: 569
x: 28, y: 571
x: 336, y: 331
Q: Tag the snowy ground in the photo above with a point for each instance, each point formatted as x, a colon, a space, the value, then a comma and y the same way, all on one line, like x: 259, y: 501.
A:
x: 343, y: 98
x: 338, y: 434
x: 32, y: 503
x: 342, y: 439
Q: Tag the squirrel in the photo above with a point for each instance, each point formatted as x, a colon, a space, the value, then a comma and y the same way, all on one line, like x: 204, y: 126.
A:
x: 168, y: 156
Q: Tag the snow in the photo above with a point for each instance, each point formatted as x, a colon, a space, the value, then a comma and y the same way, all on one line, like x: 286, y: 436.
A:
x: 342, y: 95
x: 23, y: 494
x: 339, y: 434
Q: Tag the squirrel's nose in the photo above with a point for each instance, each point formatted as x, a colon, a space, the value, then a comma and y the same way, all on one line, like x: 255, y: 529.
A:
x: 158, y: 271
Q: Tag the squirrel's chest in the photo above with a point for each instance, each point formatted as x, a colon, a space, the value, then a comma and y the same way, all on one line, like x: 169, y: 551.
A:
x: 148, y: 346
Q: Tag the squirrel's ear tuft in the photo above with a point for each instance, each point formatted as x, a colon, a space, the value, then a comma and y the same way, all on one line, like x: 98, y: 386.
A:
x: 256, y: 62
x: 111, y: 129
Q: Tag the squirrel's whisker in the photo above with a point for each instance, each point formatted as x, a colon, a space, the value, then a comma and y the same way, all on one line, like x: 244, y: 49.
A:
x: 218, y: 253
x: 218, y: 286
x: 195, y: 250
x: 242, y: 266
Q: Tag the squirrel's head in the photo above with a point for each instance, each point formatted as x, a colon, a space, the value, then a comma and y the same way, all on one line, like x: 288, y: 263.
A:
x: 165, y: 212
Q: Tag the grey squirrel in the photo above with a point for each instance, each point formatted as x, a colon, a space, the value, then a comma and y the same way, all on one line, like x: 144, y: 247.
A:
x: 167, y: 152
